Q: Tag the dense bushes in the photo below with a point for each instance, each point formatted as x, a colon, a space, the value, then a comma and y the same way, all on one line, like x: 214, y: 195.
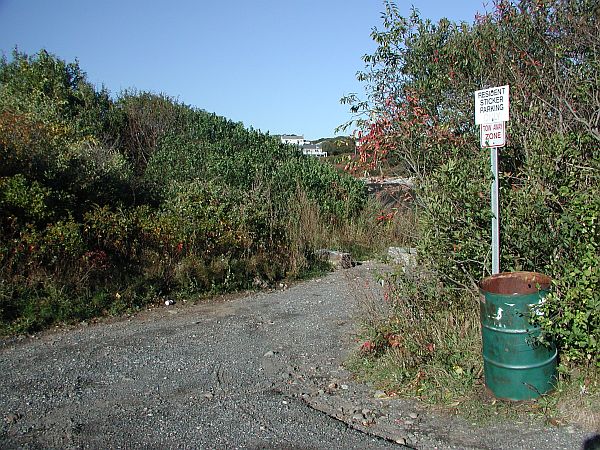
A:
x: 420, y: 111
x: 106, y: 205
x: 337, y: 146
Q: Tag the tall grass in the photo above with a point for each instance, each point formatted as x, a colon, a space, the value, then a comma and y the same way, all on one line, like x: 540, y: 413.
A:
x: 419, y: 341
x: 365, y: 235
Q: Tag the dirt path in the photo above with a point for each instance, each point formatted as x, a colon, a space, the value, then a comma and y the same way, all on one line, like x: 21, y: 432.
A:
x: 263, y: 371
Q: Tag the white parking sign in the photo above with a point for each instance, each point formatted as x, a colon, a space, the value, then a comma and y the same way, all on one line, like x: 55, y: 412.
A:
x: 492, y: 105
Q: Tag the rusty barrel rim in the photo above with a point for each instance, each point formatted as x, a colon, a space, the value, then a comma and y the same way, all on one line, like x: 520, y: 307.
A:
x: 515, y: 283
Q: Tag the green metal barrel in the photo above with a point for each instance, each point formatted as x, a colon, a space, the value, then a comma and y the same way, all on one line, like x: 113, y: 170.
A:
x: 515, y: 364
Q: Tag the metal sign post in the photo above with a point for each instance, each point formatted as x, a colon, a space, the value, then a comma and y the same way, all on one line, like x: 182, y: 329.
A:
x: 495, y: 214
x: 491, y: 114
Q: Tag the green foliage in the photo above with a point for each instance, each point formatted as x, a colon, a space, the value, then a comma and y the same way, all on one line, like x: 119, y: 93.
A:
x: 56, y: 129
x: 337, y: 145
x: 55, y: 93
x: 28, y: 200
x: 455, y: 232
x: 146, y: 118
x: 109, y: 205
x: 421, y: 80
x: 572, y: 311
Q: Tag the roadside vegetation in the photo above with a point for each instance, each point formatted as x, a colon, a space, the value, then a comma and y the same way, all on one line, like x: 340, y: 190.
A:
x: 418, y: 117
x: 111, y: 204
x: 338, y: 145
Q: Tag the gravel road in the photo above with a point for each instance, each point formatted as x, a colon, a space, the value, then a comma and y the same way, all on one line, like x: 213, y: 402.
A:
x: 259, y: 371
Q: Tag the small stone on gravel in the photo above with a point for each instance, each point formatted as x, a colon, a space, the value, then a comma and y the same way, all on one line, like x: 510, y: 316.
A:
x: 380, y: 394
x: 12, y: 418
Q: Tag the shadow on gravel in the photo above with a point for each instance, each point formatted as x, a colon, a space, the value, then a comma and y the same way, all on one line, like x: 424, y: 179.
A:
x: 592, y: 443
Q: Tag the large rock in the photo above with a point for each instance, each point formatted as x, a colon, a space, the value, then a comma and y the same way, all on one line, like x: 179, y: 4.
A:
x: 337, y: 259
x: 403, y: 256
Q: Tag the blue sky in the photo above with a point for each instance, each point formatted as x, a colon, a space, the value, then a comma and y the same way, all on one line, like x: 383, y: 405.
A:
x: 276, y: 65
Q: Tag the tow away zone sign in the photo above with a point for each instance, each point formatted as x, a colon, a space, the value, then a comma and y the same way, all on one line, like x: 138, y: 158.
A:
x: 493, y: 134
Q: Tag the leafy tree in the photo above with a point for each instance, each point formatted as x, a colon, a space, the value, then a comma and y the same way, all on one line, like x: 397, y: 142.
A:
x: 55, y: 128
x: 419, y: 109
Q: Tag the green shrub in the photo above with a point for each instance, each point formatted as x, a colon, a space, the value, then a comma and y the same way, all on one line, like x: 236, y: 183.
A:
x: 454, y: 219
x: 55, y: 93
x: 572, y: 311
x: 26, y: 199
x: 421, y: 80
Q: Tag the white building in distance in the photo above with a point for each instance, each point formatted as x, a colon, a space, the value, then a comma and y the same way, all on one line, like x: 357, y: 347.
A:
x: 294, y: 139
x: 308, y: 148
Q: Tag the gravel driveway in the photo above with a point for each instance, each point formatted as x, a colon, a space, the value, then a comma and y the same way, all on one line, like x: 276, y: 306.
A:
x: 255, y: 372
